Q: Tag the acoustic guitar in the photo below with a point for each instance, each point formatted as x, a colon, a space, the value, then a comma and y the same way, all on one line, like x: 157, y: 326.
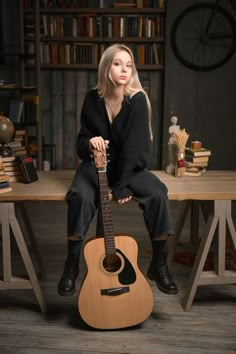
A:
x: 114, y: 294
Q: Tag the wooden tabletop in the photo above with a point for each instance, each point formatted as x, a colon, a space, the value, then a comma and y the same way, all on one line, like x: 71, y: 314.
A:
x: 53, y: 185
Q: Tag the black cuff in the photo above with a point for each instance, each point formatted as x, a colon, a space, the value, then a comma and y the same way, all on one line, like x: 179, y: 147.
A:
x: 122, y: 192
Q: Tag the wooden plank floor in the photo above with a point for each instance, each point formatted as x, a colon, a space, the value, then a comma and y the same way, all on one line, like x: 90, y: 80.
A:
x: 209, y: 327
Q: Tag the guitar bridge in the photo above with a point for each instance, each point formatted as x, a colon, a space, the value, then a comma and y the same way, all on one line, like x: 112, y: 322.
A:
x: 115, y: 291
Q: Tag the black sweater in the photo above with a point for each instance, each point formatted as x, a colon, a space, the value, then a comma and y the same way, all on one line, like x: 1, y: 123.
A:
x: 128, y: 135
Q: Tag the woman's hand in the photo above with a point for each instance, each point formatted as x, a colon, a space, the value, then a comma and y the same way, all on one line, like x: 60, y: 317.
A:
x: 120, y: 201
x: 98, y: 143
x: 124, y: 200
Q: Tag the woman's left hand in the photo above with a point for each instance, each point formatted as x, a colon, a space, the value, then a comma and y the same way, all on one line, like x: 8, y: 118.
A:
x: 120, y: 201
x: 124, y: 200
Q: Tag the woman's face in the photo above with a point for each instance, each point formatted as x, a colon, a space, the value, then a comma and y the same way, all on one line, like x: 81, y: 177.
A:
x: 121, y: 68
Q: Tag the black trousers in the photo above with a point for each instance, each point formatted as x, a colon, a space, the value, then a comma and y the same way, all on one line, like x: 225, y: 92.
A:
x: 150, y: 193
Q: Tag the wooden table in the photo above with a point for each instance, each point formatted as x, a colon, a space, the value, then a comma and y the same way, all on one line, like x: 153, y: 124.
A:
x: 52, y: 186
x: 216, y: 186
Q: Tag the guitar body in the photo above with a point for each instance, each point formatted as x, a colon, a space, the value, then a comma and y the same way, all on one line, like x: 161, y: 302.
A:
x: 114, y: 294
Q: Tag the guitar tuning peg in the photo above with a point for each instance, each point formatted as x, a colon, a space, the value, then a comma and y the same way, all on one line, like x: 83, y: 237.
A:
x: 91, y: 155
x: 108, y: 161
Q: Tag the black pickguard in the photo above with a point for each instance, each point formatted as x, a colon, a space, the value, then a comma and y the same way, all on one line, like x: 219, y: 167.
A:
x: 127, y: 275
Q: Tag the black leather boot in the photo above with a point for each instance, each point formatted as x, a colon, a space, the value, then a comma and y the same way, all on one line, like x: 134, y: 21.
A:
x: 158, y: 269
x: 66, y: 285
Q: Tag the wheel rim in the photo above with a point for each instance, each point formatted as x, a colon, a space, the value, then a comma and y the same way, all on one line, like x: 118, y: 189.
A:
x: 199, y: 51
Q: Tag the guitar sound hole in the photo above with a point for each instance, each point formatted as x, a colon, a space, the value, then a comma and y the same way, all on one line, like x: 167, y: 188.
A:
x: 112, y: 263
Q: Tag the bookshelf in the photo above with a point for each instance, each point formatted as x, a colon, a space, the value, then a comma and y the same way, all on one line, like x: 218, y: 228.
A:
x: 75, y: 37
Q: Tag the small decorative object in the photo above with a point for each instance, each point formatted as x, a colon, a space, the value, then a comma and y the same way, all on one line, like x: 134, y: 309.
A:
x: 181, y: 139
x: 196, y: 145
x: 6, y: 133
x: 172, y: 147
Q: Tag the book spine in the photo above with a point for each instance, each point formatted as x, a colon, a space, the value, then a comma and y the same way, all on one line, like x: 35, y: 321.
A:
x: 24, y: 171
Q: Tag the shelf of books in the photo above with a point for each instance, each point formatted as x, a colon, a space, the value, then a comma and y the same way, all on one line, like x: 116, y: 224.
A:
x: 75, y: 33
x: 196, y: 161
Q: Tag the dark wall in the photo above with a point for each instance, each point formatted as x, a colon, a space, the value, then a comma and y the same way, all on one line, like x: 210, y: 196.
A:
x: 204, y: 102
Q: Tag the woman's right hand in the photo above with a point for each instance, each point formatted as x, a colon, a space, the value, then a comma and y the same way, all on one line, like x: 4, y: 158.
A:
x: 98, y: 143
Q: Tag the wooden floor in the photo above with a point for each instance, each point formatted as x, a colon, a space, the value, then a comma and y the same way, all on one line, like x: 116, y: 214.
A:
x: 209, y: 327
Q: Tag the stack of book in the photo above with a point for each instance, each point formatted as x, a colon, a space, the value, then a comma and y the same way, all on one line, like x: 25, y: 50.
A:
x: 19, y: 142
x: 4, y: 179
x: 11, y: 169
x: 196, y: 161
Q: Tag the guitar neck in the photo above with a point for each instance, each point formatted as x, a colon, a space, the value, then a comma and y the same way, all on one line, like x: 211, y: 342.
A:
x: 109, y: 239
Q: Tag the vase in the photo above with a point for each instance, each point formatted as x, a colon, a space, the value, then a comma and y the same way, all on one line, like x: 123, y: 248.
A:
x: 180, y: 165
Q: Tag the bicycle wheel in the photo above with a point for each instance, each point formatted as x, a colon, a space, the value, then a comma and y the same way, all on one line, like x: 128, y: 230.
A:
x: 203, y: 37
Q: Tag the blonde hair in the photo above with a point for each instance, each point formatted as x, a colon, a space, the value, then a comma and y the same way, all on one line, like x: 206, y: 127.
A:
x: 105, y: 83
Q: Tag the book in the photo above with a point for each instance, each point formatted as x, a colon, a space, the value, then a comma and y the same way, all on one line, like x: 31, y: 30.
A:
x: 20, y: 152
x: 7, y: 86
x: 139, y: 3
x: 123, y: 4
x: 9, y: 164
x: 20, y: 132
x: 11, y: 168
x: 8, y: 159
x: 5, y: 190
x: 192, y: 173
x: 196, y: 164
x: 15, y: 110
x: 31, y: 109
x: 18, y: 178
x: 195, y: 153
x: 13, y: 173
x: 190, y: 158
x: 155, y: 54
x: 4, y: 178
x: 27, y: 168
x: 4, y: 184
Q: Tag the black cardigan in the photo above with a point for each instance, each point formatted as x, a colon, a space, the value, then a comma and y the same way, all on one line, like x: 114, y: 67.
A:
x: 129, y: 138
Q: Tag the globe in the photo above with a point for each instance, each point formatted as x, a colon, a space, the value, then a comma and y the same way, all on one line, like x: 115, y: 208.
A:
x: 7, y: 130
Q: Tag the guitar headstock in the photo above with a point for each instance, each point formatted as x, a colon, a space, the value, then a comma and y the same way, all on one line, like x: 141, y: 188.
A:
x: 100, y: 158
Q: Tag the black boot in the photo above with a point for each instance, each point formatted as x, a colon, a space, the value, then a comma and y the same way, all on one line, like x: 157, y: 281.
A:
x: 158, y: 269
x: 66, y: 285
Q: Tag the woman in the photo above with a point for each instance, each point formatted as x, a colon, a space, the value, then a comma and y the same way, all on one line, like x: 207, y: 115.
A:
x: 117, y: 115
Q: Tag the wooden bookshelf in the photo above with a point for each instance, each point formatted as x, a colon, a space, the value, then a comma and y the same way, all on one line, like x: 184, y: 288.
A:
x: 72, y: 37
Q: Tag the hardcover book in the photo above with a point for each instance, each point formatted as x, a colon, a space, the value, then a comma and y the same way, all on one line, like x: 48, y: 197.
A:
x: 196, y: 153
x: 27, y: 168
x: 15, y: 111
x: 194, y: 173
x: 5, y: 190
x: 4, y: 184
x: 196, y: 164
x: 194, y: 159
